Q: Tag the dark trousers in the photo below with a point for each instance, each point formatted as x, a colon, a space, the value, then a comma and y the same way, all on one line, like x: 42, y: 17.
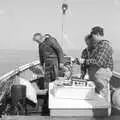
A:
x: 51, y: 71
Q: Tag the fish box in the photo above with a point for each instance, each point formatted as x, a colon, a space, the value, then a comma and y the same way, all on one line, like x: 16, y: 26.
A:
x: 74, y: 101
x: 80, y: 91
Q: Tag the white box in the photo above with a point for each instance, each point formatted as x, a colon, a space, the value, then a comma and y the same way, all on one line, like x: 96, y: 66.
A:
x: 76, y: 106
x: 74, y: 92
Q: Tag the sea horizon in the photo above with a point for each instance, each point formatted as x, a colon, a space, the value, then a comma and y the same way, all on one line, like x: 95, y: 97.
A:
x: 13, y: 58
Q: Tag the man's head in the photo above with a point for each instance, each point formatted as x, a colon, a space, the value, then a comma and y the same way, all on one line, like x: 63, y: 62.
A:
x: 37, y: 37
x: 47, y: 36
x: 97, y: 33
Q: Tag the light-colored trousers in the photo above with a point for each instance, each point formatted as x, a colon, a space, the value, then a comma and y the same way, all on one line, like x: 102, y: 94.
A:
x: 102, y: 77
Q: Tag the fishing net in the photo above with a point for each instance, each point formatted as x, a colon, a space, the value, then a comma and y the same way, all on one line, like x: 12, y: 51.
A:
x: 5, y: 86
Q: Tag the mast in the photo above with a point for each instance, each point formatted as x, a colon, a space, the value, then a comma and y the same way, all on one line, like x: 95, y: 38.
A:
x: 64, y: 9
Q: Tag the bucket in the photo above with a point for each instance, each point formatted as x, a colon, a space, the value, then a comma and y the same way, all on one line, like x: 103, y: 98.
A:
x: 18, y: 92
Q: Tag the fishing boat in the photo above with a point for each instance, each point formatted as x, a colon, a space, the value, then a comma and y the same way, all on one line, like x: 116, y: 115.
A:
x: 69, y: 97
x: 64, y: 102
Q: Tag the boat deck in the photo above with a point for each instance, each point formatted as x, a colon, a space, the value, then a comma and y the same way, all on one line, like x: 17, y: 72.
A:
x: 37, y: 117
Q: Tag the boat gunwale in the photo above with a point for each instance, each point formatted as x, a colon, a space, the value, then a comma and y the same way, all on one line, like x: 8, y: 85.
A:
x: 15, y: 72
x: 18, y: 70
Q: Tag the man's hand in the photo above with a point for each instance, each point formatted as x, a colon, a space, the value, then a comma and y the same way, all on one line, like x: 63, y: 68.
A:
x: 42, y: 92
x: 81, y: 60
x: 61, y: 65
x: 76, y: 61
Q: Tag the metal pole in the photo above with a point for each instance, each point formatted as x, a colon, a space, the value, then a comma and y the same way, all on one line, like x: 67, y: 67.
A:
x: 64, y: 9
x: 62, y: 35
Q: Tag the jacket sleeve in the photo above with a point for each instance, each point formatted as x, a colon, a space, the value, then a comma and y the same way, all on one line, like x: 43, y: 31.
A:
x: 55, y: 45
x: 83, y: 66
x: 41, y: 57
x: 105, y: 50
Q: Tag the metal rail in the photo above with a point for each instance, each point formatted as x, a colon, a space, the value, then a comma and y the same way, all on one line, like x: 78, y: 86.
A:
x: 18, y: 70
x: 8, y: 77
x: 116, y: 74
x: 22, y: 68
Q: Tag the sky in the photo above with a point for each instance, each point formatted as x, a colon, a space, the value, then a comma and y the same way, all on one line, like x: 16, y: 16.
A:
x: 20, y: 19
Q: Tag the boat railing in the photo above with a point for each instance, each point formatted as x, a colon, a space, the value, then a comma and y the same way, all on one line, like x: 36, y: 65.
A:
x: 18, y: 70
x: 8, y: 79
x: 116, y: 74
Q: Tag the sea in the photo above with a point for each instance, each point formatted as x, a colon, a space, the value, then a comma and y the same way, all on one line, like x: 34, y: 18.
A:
x: 11, y: 59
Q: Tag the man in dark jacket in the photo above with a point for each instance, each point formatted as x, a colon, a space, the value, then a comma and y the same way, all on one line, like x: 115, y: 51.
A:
x: 51, y: 56
x: 51, y: 59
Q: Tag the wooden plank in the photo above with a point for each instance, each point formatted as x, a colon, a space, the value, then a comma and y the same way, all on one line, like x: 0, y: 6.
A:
x: 34, y: 117
x: 79, y: 112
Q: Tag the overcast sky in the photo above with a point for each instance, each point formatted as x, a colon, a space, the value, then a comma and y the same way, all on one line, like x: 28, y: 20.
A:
x: 19, y: 19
